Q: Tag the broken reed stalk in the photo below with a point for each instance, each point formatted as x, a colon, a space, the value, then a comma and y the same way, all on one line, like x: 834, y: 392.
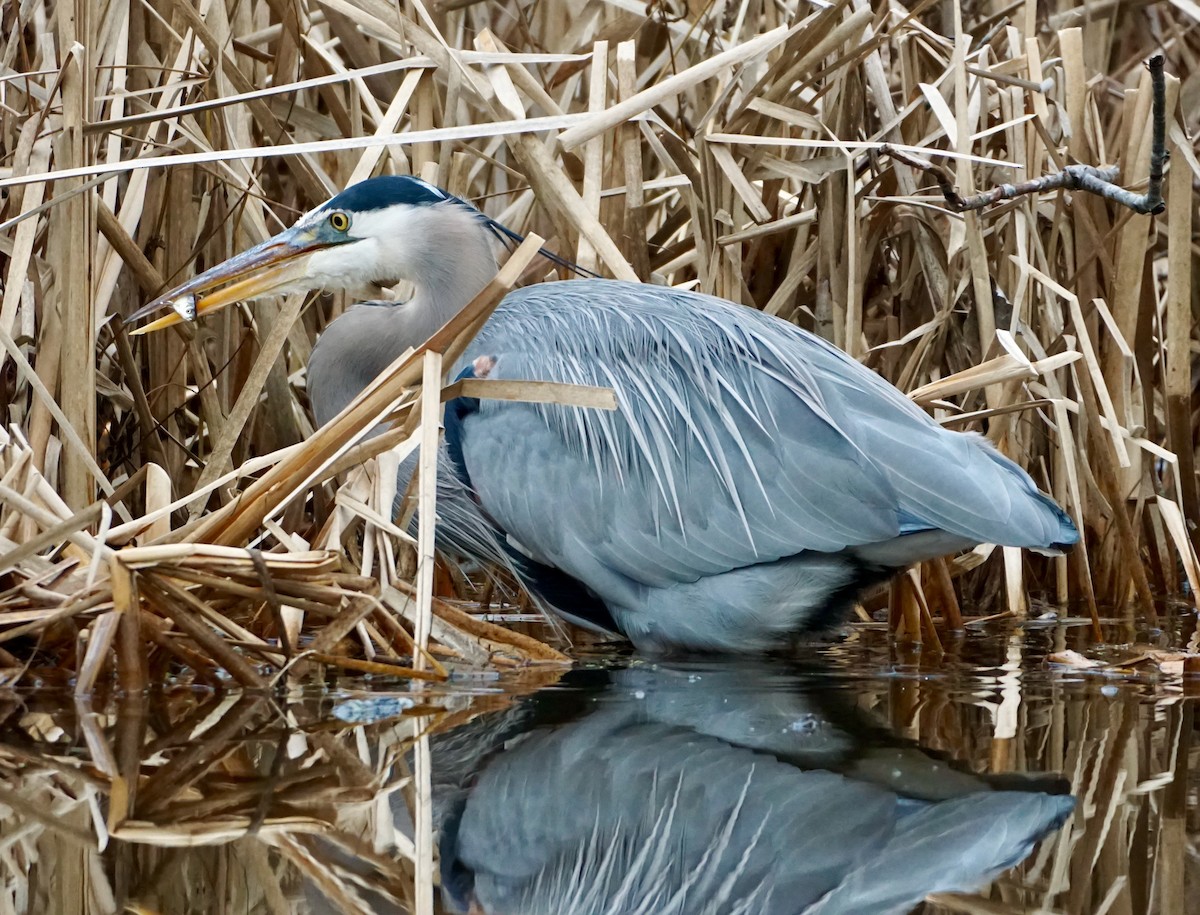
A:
x: 431, y: 418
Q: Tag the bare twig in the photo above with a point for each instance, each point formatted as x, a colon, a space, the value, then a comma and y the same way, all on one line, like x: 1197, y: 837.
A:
x: 1090, y: 178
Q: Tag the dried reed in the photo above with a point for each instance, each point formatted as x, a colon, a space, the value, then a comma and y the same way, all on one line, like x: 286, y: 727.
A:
x: 732, y: 147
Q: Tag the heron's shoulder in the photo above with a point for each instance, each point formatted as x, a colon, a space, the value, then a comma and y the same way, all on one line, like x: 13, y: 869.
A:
x: 619, y: 295
x: 619, y: 312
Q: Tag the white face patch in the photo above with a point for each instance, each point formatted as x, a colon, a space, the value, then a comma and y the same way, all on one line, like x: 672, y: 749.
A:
x: 432, y: 245
x: 379, y: 248
x: 347, y: 265
x: 396, y: 223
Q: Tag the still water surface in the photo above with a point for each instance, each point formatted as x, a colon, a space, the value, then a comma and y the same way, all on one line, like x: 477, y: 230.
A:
x: 855, y: 779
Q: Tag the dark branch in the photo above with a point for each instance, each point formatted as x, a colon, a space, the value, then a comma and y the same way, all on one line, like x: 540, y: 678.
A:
x: 1153, y: 202
x: 1090, y: 178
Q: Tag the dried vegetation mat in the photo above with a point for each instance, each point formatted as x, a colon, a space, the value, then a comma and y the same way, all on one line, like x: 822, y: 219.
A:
x: 166, y: 508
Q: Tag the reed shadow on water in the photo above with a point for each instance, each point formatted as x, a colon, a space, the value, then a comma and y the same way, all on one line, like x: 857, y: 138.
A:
x: 849, y: 779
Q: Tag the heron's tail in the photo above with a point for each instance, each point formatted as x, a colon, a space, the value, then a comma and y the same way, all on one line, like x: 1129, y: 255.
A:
x: 972, y: 491
x: 1039, y: 523
x: 1067, y: 535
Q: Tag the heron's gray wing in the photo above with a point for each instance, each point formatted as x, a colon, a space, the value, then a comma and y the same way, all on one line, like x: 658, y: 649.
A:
x: 721, y: 455
x: 949, y: 481
x: 739, y: 440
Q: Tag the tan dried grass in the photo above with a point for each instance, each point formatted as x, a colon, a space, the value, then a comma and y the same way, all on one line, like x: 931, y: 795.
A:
x: 727, y: 146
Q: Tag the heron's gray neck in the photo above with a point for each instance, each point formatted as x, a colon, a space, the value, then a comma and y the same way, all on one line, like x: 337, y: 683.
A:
x: 450, y: 263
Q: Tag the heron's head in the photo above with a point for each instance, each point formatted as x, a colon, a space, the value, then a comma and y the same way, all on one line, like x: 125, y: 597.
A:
x: 374, y: 233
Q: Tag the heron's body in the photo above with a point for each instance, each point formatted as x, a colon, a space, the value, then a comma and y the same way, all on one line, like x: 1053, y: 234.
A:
x: 752, y: 476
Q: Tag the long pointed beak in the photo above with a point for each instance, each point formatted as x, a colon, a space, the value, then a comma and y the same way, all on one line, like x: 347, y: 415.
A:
x: 272, y: 266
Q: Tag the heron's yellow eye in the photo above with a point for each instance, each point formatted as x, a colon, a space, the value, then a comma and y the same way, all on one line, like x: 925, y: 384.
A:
x: 339, y: 221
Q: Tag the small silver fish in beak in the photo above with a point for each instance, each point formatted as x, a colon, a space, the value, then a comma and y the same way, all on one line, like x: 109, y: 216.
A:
x: 185, y: 307
x: 270, y: 267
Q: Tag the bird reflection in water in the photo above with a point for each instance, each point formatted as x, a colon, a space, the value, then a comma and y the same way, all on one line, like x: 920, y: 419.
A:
x: 744, y: 788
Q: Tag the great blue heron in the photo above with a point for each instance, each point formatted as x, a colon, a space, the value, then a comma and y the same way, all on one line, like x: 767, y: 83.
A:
x: 752, y: 482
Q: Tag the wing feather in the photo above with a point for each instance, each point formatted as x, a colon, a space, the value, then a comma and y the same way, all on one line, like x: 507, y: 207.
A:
x: 721, y: 454
x: 740, y: 439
